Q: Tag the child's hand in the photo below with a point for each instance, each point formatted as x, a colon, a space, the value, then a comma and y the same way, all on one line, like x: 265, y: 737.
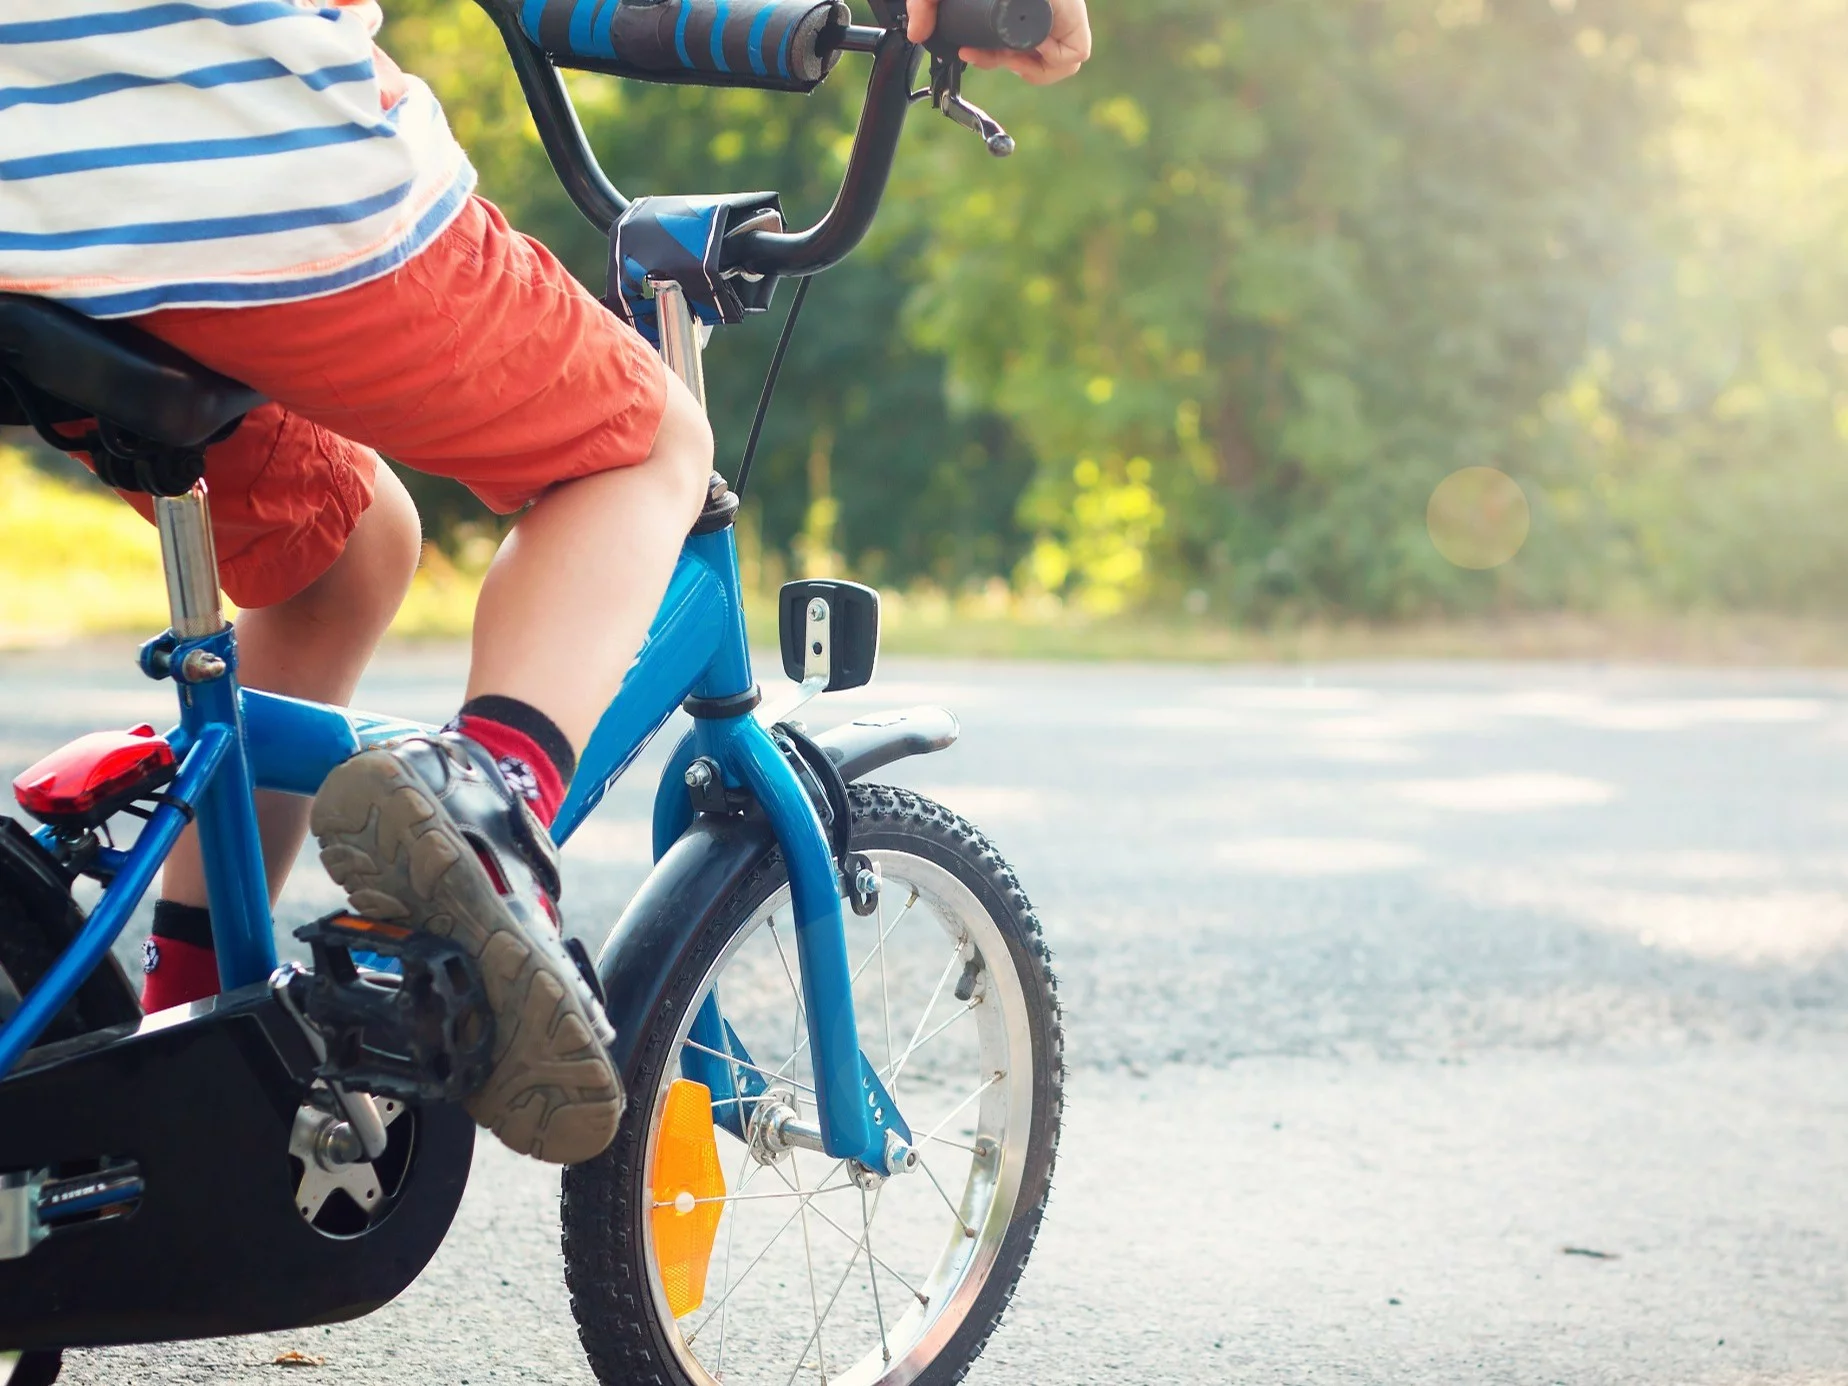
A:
x: 1065, y: 50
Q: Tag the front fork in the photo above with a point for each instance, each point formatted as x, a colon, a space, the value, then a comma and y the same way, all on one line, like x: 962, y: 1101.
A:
x: 856, y: 1117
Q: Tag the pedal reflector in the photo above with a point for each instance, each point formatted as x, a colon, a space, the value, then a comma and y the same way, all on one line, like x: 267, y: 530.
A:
x: 687, y: 1183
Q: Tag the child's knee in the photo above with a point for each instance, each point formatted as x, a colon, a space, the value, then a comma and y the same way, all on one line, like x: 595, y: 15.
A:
x: 364, y: 588
x: 392, y: 538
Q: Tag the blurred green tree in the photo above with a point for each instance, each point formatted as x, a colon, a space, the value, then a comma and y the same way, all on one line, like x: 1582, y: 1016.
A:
x: 1264, y: 275
x: 1269, y: 271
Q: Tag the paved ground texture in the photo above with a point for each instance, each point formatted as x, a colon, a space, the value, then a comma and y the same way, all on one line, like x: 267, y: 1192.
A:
x: 1391, y: 992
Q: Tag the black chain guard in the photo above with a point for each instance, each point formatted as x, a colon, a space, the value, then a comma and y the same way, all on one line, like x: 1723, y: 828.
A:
x: 203, y: 1102
x: 424, y: 1036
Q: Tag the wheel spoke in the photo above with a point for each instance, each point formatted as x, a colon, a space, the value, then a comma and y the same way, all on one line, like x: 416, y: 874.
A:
x: 754, y: 1198
x: 872, y: 1275
x: 808, y: 1255
x: 885, y: 1265
x: 753, y: 1068
x: 815, y: 1337
x: 957, y: 1109
x: 717, y: 1310
x: 905, y: 1058
x: 885, y: 933
x: 948, y: 1202
x: 756, y: 1260
x: 741, y: 1182
x: 954, y: 1145
x: 929, y: 1006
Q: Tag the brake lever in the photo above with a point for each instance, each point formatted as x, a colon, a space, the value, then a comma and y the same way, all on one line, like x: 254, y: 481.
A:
x: 945, y: 94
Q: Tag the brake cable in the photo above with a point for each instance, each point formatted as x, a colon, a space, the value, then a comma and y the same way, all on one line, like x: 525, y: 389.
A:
x: 944, y: 93
x: 763, y: 400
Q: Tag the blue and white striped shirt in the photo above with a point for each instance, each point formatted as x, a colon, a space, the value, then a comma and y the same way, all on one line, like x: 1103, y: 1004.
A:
x: 211, y: 153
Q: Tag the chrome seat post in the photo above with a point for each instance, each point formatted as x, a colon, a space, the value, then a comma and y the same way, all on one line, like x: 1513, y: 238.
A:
x: 682, y: 336
x: 190, y: 561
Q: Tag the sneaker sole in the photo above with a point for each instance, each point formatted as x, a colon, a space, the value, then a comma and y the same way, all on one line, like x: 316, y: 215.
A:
x: 553, y: 1093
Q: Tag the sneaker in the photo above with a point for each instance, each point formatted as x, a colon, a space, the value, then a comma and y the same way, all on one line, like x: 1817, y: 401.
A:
x: 425, y: 832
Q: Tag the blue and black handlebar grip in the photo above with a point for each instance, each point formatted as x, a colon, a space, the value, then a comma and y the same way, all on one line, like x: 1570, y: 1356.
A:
x: 787, y: 45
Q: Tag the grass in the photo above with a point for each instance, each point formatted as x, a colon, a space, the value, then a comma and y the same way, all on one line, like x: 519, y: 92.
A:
x: 72, y: 561
x: 75, y: 562
x: 1690, y: 639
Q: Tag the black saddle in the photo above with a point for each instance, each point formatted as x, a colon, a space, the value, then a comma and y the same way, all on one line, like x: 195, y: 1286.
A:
x: 156, y: 410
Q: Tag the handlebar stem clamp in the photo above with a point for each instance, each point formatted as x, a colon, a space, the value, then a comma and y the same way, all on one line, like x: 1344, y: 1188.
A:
x: 683, y: 240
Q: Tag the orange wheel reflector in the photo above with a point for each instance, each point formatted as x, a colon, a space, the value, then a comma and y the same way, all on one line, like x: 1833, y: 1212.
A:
x: 687, y: 1183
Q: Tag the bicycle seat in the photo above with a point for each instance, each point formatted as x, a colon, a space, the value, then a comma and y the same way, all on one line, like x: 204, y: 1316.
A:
x: 110, y: 370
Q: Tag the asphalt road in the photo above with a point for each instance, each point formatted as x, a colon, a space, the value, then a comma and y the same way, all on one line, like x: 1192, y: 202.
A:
x: 1384, y: 986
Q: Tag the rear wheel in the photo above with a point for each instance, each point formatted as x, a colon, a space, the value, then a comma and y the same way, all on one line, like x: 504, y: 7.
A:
x: 38, y: 921
x: 778, y: 1265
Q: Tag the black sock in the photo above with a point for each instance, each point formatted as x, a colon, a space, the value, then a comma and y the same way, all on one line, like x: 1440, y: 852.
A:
x: 183, y: 923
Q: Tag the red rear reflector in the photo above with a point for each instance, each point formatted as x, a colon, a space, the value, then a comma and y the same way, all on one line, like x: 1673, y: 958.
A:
x: 93, y: 770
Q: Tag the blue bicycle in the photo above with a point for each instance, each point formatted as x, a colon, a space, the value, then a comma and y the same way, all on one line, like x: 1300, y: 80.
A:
x: 836, y: 1018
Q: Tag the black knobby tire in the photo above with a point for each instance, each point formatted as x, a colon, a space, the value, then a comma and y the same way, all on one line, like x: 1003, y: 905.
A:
x: 38, y: 921
x: 36, y: 1369
x: 605, y: 1201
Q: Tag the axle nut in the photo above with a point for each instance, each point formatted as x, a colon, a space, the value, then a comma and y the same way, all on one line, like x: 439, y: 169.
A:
x: 900, y: 1158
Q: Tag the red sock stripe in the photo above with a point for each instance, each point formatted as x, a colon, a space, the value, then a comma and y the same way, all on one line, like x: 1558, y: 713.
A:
x: 542, y: 785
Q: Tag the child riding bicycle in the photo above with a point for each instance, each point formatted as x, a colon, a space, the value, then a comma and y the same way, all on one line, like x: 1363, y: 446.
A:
x: 306, y: 223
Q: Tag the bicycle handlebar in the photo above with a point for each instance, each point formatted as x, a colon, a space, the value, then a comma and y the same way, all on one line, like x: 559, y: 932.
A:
x: 875, y: 147
x: 1014, y: 24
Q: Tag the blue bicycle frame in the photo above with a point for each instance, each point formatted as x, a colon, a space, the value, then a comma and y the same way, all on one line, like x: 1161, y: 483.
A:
x: 231, y: 741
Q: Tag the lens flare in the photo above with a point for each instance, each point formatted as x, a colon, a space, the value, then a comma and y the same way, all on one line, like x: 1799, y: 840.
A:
x: 1478, y: 518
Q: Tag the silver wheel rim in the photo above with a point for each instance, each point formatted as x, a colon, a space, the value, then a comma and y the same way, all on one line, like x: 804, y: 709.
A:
x: 856, y: 1305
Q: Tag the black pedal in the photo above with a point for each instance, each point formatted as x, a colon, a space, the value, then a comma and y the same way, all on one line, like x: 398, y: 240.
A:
x: 424, y: 1036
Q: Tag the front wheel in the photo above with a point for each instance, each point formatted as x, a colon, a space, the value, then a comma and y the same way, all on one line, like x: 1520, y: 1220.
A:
x: 776, y: 1264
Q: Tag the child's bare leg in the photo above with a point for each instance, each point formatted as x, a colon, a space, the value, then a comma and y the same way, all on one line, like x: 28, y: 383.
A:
x: 574, y: 587
x: 315, y: 645
x: 446, y: 834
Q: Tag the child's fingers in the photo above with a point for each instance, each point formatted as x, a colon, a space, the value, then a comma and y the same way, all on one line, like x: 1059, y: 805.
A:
x: 1035, y: 67
x: 922, y: 20
x: 1042, y: 73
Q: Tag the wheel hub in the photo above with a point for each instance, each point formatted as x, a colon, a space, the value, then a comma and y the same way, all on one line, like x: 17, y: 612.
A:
x: 769, y: 1133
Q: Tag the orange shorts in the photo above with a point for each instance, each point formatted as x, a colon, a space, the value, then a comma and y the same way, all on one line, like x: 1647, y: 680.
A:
x: 480, y: 359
